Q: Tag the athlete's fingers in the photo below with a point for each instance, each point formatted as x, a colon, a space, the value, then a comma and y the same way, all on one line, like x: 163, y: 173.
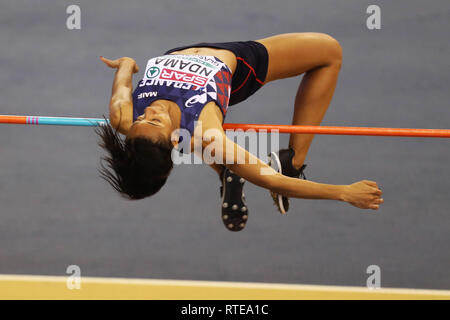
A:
x: 378, y: 201
x: 377, y: 192
x: 371, y: 183
x: 105, y: 61
x: 374, y: 207
x: 110, y: 63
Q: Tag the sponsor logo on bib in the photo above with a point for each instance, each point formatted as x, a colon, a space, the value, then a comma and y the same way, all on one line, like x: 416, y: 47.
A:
x: 174, y: 75
x: 152, y: 72
x: 200, y: 98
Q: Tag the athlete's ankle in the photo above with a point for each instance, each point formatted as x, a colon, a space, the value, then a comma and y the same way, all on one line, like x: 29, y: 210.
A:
x: 297, y: 164
x: 297, y: 160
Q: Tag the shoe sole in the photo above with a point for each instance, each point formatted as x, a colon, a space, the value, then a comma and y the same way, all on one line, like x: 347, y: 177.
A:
x: 277, y: 198
x: 234, y: 217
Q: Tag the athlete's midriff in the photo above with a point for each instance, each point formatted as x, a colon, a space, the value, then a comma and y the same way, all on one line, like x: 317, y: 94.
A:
x: 225, y: 56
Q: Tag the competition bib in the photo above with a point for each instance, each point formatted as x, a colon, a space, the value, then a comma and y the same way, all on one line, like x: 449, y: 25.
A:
x: 189, y: 72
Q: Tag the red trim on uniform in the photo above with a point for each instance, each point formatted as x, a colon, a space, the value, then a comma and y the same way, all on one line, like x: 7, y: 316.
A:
x: 251, y: 68
x: 242, y: 84
x: 248, y: 75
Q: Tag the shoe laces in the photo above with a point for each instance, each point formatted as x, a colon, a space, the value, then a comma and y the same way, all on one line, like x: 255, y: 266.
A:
x: 302, y: 174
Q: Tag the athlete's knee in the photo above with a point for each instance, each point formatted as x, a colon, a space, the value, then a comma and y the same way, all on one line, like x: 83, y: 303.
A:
x: 325, y: 43
x: 331, y: 46
x: 334, y: 50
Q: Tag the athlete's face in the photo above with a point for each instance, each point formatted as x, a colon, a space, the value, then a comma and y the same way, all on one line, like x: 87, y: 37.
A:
x: 154, y: 124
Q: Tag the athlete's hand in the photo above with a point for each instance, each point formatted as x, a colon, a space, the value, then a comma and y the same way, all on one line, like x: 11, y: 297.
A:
x: 115, y: 64
x: 363, y: 194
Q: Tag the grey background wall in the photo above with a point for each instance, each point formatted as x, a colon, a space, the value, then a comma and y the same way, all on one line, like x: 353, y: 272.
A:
x: 55, y: 211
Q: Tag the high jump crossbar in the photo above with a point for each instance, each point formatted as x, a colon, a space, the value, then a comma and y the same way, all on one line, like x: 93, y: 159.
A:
x: 359, y: 131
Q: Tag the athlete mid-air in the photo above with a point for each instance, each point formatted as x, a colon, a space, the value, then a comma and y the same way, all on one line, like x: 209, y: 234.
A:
x: 198, y: 83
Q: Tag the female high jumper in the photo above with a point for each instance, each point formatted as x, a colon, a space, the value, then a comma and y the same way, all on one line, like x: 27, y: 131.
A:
x: 196, y: 84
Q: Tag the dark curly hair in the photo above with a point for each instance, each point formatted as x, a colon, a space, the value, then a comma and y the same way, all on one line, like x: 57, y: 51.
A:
x: 136, y: 168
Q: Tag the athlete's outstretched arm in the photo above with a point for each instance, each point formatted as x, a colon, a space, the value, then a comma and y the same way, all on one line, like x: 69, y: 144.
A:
x: 363, y: 194
x: 121, y: 103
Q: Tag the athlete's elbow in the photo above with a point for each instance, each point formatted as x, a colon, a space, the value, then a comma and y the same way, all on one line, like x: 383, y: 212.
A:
x: 115, y: 111
x: 114, y: 118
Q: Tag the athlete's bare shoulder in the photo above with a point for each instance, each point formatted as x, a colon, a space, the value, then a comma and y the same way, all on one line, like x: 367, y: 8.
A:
x: 211, y: 116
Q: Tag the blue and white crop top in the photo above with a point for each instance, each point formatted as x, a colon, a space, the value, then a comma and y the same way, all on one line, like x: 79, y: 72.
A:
x: 190, y: 81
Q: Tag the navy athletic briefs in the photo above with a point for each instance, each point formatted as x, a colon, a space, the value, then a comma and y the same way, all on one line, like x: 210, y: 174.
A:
x: 251, y: 69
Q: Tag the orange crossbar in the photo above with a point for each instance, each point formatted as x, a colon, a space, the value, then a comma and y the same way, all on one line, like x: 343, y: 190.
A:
x: 359, y: 131
x: 13, y: 119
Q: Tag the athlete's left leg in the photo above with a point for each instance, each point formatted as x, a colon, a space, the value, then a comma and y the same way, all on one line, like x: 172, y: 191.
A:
x: 317, y: 55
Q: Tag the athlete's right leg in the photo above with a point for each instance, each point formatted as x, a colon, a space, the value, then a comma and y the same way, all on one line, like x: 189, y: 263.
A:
x: 317, y: 55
